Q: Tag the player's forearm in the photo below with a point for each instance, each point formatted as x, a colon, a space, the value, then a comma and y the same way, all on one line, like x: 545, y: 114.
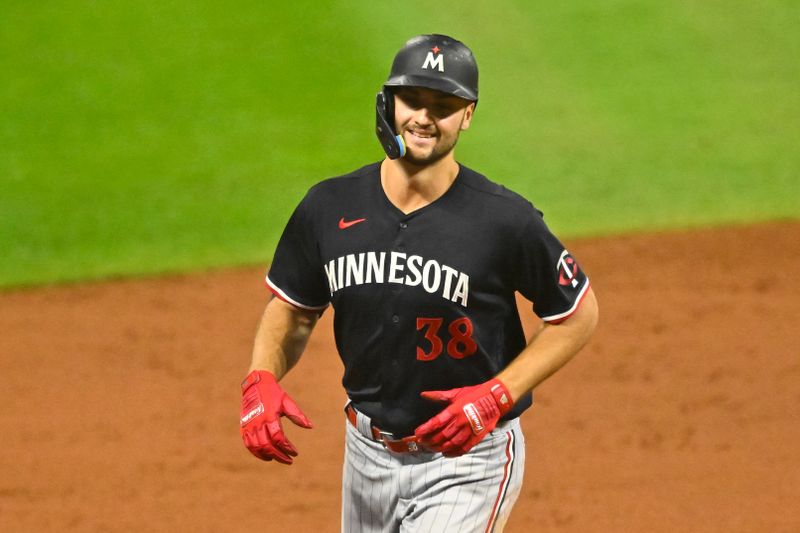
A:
x: 551, y: 349
x: 281, y: 338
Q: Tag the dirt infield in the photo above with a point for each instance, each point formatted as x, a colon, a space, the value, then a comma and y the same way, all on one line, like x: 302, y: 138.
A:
x: 120, y: 401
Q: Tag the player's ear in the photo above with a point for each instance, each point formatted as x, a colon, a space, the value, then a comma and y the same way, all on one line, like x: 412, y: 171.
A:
x: 468, y: 113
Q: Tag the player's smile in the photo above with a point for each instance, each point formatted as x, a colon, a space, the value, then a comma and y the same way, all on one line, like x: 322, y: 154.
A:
x: 424, y: 146
x: 422, y: 137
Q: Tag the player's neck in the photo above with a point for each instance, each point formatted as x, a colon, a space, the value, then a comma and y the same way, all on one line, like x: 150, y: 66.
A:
x: 410, y: 187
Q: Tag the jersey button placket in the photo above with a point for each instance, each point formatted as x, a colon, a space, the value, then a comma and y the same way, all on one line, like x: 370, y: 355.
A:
x: 396, y: 322
x: 399, y: 245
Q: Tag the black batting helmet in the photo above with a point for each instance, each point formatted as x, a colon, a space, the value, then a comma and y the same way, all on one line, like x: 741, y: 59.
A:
x: 436, y: 62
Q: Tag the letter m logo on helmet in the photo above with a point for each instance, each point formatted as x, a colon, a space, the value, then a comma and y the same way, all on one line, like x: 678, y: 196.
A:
x: 434, y: 61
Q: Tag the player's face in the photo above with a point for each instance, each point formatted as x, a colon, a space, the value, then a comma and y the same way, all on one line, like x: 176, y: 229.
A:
x: 430, y: 122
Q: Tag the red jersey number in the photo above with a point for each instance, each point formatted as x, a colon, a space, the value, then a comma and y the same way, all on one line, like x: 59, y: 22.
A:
x: 460, y: 345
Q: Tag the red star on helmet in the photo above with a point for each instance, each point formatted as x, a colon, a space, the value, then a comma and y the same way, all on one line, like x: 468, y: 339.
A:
x: 435, y: 49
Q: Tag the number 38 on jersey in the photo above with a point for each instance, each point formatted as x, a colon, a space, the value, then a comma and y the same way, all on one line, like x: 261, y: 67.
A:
x: 458, y: 338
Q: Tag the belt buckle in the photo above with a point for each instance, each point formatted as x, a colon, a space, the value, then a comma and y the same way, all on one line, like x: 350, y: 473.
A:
x: 409, y: 442
x: 385, y: 435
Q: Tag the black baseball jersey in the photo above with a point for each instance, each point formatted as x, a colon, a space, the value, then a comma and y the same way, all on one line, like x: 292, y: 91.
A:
x: 425, y: 300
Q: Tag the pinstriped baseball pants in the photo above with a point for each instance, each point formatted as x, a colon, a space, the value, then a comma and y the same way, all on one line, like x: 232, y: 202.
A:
x: 388, y: 492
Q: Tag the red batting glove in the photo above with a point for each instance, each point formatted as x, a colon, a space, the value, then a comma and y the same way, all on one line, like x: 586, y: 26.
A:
x: 263, y: 404
x: 473, y: 412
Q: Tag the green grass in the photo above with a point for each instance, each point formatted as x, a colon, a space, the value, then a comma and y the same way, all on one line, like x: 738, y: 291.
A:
x: 142, y: 138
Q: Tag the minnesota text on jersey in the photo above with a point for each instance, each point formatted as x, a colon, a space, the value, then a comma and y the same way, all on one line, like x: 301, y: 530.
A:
x: 370, y: 267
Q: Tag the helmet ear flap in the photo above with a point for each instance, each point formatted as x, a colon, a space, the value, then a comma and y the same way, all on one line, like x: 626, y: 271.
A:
x: 392, y: 143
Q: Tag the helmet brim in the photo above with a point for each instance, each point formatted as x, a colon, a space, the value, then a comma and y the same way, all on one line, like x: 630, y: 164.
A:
x: 437, y: 84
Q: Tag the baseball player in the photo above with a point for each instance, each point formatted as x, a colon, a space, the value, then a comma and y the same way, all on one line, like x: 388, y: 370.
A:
x: 420, y: 257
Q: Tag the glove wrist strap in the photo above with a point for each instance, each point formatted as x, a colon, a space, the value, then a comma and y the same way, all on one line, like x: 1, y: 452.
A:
x: 501, y: 396
x: 255, y: 377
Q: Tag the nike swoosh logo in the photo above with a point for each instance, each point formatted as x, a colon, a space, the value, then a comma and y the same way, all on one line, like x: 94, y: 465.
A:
x: 345, y: 225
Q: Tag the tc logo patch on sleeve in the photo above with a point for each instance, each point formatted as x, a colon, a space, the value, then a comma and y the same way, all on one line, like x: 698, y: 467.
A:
x: 567, y: 270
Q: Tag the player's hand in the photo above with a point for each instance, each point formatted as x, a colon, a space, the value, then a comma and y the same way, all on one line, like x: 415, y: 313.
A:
x: 263, y: 404
x: 473, y: 412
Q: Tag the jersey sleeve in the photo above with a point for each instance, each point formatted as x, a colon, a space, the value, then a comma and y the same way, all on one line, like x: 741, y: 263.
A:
x: 547, y: 274
x: 296, y: 274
